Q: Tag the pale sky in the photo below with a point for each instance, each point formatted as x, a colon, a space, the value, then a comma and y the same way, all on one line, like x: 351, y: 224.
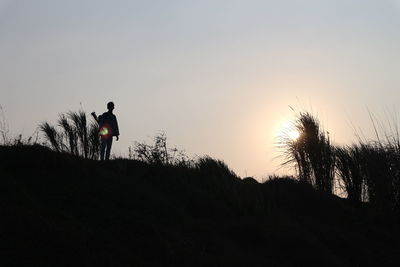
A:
x: 216, y: 76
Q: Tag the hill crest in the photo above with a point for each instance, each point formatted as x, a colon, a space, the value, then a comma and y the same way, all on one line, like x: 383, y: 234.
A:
x: 60, y: 209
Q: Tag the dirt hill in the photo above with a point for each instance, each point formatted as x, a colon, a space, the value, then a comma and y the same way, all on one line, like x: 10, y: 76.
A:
x: 60, y: 210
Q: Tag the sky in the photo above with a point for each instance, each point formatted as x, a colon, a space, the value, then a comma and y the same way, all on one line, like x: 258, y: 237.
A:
x: 218, y: 77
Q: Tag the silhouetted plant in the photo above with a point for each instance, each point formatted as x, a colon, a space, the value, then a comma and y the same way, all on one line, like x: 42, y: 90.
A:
x: 81, y: 129
x: 214, y: 166
x: 379, y: 175
x: 349, y: 167
x: 311, y: 153
x: 380, y: 166
x: 7, y: 140
x: 159, y: 153
x: 69, y: 134
x: 51, y: 135
x: 93, y: 140
x: 74, y: 136
x: 21, y: 141
x: 4, y: 128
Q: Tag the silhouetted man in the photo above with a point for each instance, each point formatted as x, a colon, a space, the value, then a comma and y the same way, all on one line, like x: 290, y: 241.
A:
x: 108, y: 127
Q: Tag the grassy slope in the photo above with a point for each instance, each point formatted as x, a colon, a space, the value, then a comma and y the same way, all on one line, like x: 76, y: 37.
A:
x: 58, y: 210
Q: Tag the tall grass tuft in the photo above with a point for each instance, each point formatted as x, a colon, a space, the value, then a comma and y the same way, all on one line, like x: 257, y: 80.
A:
x: 69, y: 134
x: 74, y: 135
x: 311, y: 153
x: 93, y: 140
x: 51, y: 135
x: 370, y: 170
x: 81, y: 129
x: 349, y: 168
x: 381, y: 175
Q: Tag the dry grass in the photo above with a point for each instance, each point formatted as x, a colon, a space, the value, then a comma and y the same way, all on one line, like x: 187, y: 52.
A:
x: 311, y: 153
x: 73, y: 135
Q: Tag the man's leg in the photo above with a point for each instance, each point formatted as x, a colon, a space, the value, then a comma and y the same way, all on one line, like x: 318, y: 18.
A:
x: 103, y: 144
x: 109, y: 144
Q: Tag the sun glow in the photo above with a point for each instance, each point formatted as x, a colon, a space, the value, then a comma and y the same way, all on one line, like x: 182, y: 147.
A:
x: 293, y: 134
x: 287, y: 130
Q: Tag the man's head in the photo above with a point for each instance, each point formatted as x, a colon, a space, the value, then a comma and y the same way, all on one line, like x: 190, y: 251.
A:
x: 110, y: 106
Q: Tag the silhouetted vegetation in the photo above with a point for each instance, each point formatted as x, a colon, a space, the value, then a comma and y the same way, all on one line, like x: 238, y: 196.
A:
x: 162, y: 208
x: 63, y: 210
x: 74, y: 135
x: 4, y: 128
x: 159, y: 153
x: 371, y: 173
x: 366, y: 172
x: 5, y: 136
x: 349, y: 162
x: 311, y: 153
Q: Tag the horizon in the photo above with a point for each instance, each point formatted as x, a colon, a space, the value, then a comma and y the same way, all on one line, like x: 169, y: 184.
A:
x: 218, y: 77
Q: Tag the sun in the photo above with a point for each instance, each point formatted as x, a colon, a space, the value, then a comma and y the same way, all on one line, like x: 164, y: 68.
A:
x: 287, y: 130
x: 293, y: 134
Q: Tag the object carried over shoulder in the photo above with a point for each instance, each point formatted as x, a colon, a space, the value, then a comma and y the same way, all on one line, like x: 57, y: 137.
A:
x: 95, y: 116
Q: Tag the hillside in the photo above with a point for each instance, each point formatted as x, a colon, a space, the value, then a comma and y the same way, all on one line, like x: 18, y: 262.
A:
x: 60, y: 210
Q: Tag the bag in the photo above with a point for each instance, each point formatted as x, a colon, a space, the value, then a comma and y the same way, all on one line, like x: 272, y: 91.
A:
x: 104, y: 127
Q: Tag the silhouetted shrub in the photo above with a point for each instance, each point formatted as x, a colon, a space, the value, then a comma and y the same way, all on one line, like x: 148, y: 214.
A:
x: 214, y: 166
x: 159, y: 153
x: 7, y: 140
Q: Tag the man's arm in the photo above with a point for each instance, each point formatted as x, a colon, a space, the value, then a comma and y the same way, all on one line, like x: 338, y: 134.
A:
x: 95, y: 117
x: 116, y: 128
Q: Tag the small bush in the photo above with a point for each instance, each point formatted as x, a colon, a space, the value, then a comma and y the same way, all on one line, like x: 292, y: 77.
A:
x: 19, y: 140
x: 159, y: 153
x: 214, y: 166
